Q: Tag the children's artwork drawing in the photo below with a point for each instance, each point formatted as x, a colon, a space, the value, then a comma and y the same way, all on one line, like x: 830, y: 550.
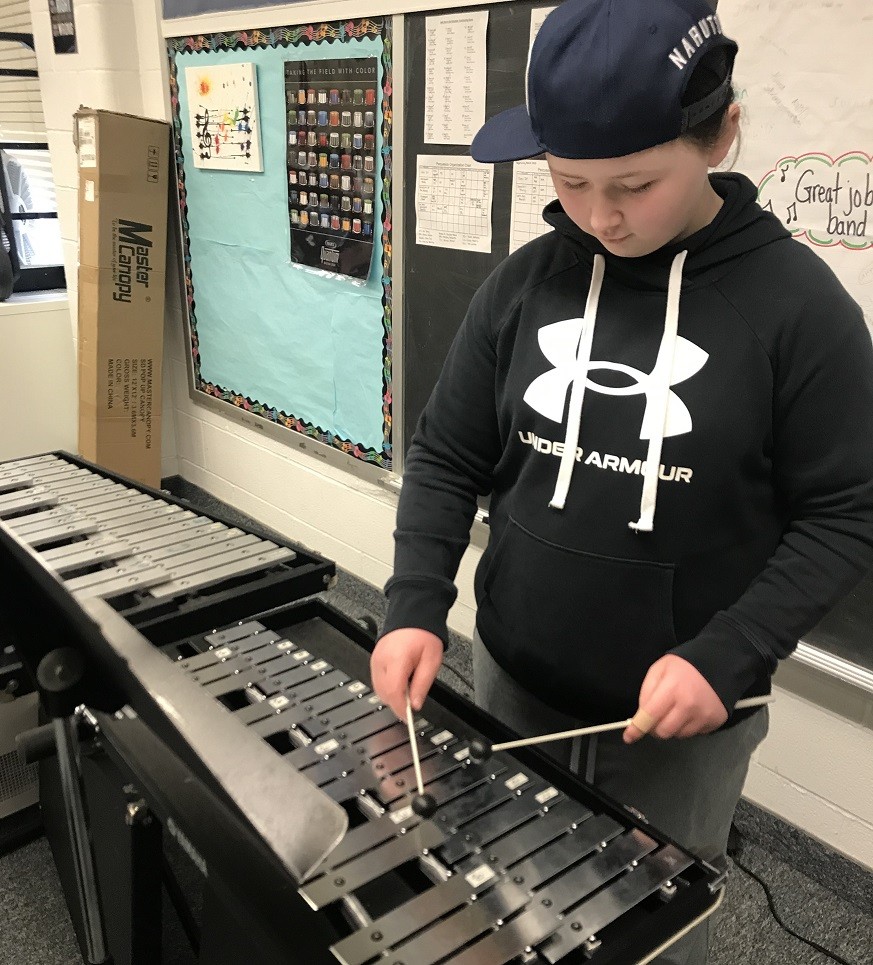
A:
x: 223, y: 109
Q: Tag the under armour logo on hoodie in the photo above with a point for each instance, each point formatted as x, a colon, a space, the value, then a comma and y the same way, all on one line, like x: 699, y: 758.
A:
x: 547, y: 394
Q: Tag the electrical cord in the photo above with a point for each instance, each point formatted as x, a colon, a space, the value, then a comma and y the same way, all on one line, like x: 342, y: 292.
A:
x: 447, y: 666
x: 734, y: 852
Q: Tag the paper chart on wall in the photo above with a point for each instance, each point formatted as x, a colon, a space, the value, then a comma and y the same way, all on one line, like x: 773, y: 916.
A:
x: 454, y: 106
x: 453, y: 203
x: 536, y: 21
x: 224, y: 118
x: 532, y: 190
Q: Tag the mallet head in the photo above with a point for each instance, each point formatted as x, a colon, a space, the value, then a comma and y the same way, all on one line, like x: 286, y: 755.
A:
x: 424, y: 805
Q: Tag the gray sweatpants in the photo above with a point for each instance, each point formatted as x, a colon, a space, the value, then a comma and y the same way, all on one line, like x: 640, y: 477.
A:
x: 686, y: 788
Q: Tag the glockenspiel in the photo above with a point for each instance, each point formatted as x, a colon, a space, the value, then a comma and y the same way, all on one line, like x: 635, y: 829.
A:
x: 142, y: 550
x: 522, y: 862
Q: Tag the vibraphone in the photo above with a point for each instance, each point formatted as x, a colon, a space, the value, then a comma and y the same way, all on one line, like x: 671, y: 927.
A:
x: 520, y: 863
x: 141, y: 550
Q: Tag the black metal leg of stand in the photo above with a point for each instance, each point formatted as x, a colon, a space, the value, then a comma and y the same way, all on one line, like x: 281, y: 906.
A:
x: 59, y: 677
x: 146, y: 857
x: 83, y: 861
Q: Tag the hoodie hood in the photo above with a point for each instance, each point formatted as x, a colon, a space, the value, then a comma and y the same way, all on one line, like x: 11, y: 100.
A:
x: 740, y: 227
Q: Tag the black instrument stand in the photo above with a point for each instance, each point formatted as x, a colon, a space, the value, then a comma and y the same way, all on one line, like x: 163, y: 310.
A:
x: 59, y: 676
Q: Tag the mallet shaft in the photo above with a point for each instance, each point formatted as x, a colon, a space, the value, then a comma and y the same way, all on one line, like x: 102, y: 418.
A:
x: 413, y: 743
x: 640, y: 718
x: 563, y: 735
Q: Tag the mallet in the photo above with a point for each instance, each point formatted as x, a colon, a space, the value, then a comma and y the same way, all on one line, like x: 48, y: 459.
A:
x: 481, y: 749
x: 423, y: 804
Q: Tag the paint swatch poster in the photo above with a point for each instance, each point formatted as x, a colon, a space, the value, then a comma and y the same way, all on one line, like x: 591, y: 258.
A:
x: 332, y: 110
x: 223, y: 113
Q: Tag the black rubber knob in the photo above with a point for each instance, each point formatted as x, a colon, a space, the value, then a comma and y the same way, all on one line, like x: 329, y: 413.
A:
x: 480, y: 750
x: 36, y: 744
x: 424, y: 805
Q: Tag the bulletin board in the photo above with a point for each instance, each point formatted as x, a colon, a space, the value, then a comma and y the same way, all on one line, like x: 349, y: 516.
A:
x: 807, y: 141
x: 439, y: 282
x: 287, y: 255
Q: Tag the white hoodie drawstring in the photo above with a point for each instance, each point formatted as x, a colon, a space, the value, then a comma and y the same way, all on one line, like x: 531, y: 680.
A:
x: 577, y: 393
x: 661, y: 377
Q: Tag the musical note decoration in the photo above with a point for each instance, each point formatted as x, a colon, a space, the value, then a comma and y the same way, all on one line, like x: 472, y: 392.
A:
x: 823, y: 200
x: 224, y: 117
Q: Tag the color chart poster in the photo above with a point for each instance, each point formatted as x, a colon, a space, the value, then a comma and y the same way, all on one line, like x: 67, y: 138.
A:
x: 332, y: 110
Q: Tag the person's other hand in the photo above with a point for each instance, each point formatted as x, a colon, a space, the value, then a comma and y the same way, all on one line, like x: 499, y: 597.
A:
x: 679, y: 699
x: 405, y: 658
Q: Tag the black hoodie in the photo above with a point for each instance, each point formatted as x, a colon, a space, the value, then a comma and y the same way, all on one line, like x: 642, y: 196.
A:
x: 763, y: 516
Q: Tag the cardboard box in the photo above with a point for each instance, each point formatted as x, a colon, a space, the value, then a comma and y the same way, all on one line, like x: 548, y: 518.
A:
x: 124, y: 167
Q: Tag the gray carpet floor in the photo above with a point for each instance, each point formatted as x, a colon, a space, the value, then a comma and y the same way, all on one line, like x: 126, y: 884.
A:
x: 818, y: 893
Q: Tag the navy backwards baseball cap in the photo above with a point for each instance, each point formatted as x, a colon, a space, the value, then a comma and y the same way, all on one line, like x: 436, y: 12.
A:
x: 606, y: 78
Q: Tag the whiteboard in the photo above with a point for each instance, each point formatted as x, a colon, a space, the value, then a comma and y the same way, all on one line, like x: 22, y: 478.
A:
x: 804, y: 77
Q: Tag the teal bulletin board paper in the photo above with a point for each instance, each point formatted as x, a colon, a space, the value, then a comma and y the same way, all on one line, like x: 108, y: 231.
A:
x: 291, y: 339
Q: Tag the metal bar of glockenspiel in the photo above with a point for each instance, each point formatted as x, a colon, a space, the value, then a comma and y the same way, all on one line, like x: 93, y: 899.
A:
x: 57, y: 471
x: 81, y: 488
x: 209, y: 577
x: 8, y: 483
x: 126, y: 583
x: 90, y: 555
x: 94, y: 496
x: 57, y: 553
x: 40, y: 519
x: 211, y: 553
x: 29, y: 461
x: 31, y: 498
x: 195, y: 536
x: 79, y: 527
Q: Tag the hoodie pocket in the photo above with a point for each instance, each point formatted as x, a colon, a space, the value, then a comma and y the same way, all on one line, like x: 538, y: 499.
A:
x: 578, y: 629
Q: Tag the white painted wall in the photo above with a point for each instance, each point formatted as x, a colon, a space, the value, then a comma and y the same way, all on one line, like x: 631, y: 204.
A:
x: 816, y: 768
x: 38, y: 375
